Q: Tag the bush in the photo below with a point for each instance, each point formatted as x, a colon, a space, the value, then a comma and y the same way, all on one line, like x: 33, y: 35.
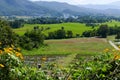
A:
x: 32, y: 39
x: 7, y: 36
x: 12, y: 67
x: 103, y: 67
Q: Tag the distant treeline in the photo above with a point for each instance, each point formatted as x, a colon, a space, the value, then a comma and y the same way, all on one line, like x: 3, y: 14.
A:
x: 103, y: 31
x: 88, y: 20
x: 80, y: 19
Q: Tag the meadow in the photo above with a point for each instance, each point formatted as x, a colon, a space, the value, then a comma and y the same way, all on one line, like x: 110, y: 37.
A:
x: 77, y: 28
x: 82, y: 46
x: 64, y: 51
x: 112, y: 23
x: 89, y: 46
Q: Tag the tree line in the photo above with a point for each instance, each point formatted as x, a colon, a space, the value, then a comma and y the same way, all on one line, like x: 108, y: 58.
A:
x: 60, y: 34
x: 88, y: 20
x: 103, y: 31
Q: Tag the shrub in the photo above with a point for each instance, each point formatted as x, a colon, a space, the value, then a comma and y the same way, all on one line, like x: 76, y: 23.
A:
x: 12, y: 67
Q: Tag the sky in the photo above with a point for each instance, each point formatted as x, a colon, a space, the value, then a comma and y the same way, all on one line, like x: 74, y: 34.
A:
x: 76, y: 2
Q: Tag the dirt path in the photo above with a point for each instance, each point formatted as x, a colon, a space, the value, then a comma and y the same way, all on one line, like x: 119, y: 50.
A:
x: 112, y: 44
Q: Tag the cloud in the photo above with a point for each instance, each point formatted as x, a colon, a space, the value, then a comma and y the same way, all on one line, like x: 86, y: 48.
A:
x: 82, y: 1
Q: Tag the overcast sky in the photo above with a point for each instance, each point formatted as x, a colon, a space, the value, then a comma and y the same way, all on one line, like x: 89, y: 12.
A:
x: 82, y: 1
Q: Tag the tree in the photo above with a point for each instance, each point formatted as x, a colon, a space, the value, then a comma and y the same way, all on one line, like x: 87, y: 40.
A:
x: 7, y: 36
x: 103, y: 31
x: 69, y: 34
x: 60, y: 34
x: 86, y: 34
x: 16, y: 23
x: 51, y: 35
x: 117, y: 36
x: 32, y: 39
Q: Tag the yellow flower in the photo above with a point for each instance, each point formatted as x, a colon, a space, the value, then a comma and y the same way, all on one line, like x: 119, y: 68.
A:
x: 0, y: 51
x: 116, y: 57
x: 106, y: 50
x: 19, y: 55
x: 18, y: 49
x: 44, y: 59
x: 2, y: 66
x: 0, y: 43
x: 8, y: 50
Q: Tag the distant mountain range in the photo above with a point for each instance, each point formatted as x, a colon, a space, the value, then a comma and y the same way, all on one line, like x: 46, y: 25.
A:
x: 24, y: 8
x: 113, y: 5
x: 65, y: 8
x: 112, y: 9
x: 44, y: 8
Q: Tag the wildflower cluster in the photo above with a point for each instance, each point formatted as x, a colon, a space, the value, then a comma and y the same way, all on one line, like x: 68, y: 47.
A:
x: 114, y: 53
x: 12, y: 51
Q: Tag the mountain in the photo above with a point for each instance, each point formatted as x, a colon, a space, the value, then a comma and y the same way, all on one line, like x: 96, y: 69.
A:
x: 24, y: 8
x: 113, y: 5
x: 111, y: 9
x: 44, y: 8
x: 65, y: 8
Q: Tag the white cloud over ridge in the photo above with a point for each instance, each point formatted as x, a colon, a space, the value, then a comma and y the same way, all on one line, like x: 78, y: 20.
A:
x: 83, y: 1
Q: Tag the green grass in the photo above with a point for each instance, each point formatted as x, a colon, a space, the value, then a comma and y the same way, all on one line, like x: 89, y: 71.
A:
x: 112, y: 37
x: 112, y: 23
x: 82, y: 46
x: 77, y: 28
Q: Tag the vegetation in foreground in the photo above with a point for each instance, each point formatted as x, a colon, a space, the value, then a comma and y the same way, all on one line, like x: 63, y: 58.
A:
x: 104, y: 66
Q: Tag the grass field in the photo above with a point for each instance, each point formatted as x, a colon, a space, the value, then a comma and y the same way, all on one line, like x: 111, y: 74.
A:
x: 77, y: 28
x: 112, y: 23
x: 82, y: 46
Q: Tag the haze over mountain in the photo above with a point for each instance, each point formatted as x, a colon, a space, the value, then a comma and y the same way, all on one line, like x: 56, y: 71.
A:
x: 113, y: 5
x: 65, y: 8
x: 44, y: 8
x: 112, y: 9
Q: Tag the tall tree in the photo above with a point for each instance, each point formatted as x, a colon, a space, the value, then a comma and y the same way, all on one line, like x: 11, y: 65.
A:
x: 103, y: 31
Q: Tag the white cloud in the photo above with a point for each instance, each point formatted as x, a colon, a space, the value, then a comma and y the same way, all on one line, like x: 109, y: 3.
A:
x: 82, y: 1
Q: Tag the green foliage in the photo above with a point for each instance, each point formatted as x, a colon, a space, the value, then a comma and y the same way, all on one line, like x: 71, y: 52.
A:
x: 32, y: 39
x: 103, y: 31
x: 7, y: 36
x: 76, y: 28
x: 100, y: 67
x: 69, y: 34
x: 117, y: 36
x: 60, y: 34
x: 16, y: 23
x: 12, y: 68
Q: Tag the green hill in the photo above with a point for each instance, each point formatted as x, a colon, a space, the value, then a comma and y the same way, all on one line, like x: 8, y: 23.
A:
x: 77, y: 28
